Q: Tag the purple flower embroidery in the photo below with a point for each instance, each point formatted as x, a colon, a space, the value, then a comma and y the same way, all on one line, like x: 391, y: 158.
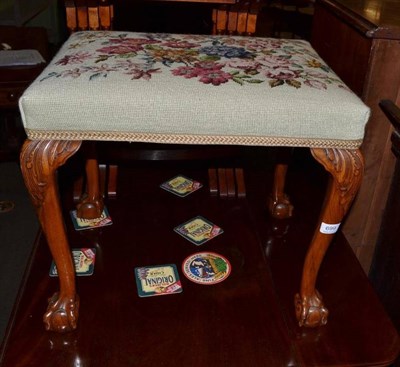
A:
x: 225, y: 51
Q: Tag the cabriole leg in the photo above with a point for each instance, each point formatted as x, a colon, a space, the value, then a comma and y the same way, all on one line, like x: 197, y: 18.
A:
x: 279, y: 204
x: 39, y: 163
x: 346, y: 168
x: 91, y: 206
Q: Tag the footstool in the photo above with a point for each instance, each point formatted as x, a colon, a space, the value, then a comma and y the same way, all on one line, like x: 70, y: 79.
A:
x: 189, y: 89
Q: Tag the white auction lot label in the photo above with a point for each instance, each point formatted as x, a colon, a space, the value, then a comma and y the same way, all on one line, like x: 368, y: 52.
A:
x: 329, y: 228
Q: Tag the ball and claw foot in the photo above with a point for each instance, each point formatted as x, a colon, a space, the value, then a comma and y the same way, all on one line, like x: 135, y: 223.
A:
x: 62, y: 314
x: 89, y: 208
x: 280, y: 208
x: 310, y: 311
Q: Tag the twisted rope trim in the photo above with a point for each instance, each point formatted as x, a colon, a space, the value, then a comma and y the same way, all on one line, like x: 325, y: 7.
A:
x: 193, y: 139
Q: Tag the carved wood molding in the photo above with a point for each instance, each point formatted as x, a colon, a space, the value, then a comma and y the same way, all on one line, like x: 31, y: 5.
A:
x: 39, y: 159
x: 346, y: 168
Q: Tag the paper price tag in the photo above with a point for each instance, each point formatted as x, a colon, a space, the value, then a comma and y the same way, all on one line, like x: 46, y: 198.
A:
x: 329, y: 228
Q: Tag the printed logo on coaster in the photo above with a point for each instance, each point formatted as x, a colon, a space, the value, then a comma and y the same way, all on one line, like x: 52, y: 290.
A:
x: 157, y: 280
x: 84, y: 259
x: 82, y: 224
x: 198, y: 230
x: 206, y: 268
x: 181, y: 185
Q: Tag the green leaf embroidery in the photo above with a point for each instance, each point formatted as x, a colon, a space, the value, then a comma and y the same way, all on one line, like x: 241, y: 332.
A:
x: 293, y: 83
x: 127, y: 55
x: 102, y: 58
x: 238, y: 80
x: 254, y: 81
x: 209, y: 58
x: 94, y: 76
x: 275, y: 83
x: 325, y: 68
x: 50, y: 75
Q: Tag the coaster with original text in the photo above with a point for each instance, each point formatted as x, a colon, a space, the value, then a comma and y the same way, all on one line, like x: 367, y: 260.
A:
x: 181, y: 185
x: 84, y: 259
x: 157, y: 280
x: 82, y: 224
x: 206, y: 268
x: 198, y: 230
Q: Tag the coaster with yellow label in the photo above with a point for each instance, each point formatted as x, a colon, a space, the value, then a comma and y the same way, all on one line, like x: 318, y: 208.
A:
x: 157, y: 280
x: 84, y: 259
x: 206, y: 268
x: 198, y: 230
x: 181, y: 185
x: 81, y: 223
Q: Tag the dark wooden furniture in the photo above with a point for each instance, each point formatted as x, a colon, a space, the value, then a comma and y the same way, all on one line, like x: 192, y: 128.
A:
x: 240, y: 18
x: 359, y: 39
x: 13, y: 81
x: 246, y: 320
x: 385, y: 273
x: 46, y: 150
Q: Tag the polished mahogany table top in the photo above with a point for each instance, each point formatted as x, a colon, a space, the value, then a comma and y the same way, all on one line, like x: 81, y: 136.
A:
x: 201, y: 1
x: 246, y: 320
x: 379, y: 18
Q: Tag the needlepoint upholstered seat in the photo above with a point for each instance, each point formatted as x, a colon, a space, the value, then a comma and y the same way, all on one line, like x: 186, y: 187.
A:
x: 189, y: 89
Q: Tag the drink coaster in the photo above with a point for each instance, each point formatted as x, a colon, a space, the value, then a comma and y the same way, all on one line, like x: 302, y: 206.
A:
x: 206, y: 268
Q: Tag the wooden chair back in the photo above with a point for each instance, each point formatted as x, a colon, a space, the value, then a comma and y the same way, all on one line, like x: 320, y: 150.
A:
x: 237, y: 19
x: 89, y: 15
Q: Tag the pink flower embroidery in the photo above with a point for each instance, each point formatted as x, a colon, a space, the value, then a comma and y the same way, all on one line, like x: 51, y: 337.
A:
x: 208, y: 65
x: 272, y: 61
x: 77, y: 58
x: 282, y: 74
x: 180, y: 44
x: 243, y: 64
x: 315, y: 84
x: 120, y: 49
x: 214, y: 77
x: 185, y: 71
x: 262, y: 45
x: 73, y: 73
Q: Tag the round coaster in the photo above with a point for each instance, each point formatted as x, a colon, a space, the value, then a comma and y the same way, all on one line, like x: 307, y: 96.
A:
x: 206, y: 268
x: 6, y: 206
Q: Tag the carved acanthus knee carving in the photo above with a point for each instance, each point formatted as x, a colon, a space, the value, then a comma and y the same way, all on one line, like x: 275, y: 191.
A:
x: 346, y: 169
x: 39, y: 162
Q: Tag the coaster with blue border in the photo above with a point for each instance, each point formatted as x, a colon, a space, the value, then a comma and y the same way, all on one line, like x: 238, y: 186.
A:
x: 198, y: 230
x: 82, y: 224
x: 84, y: 259
x: 157, y: 280
x: 181, y: 185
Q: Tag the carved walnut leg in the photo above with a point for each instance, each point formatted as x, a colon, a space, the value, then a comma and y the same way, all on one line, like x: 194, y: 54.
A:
x: 39, y: 162
x: 92, y: 204
x: 346, y: 168
x: 279, y: 204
